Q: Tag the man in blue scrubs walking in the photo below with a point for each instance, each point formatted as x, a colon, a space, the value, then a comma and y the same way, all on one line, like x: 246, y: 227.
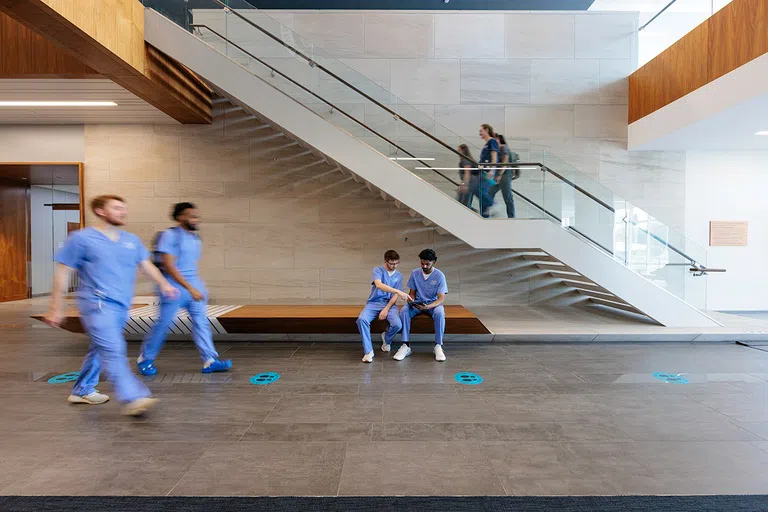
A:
x: 106, y: 259
x: 180, y: 249
x: 387, y: 284
x: 428, y: 288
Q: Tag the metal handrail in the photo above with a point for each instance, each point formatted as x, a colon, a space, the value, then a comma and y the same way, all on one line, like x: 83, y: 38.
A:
x: 657, y: 15
x: 305, y: 89
x: 397, y: 117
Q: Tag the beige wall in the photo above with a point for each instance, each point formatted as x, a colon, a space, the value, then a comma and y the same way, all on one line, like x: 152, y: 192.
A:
x: 280, y: 226
x: 41, y: 143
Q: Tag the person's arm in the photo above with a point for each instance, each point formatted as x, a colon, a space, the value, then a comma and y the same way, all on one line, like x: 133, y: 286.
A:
x: 169, y: 263
x: 438, y: 302
x: 60, y: 285
x: 384, y: 312
x: 383, y: 287
x: 442, y: 289
x: 151, y: 271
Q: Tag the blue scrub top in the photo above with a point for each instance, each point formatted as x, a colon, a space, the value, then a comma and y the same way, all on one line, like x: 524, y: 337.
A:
x: 395, y: 281
x: 107, y: 269
x: 184, y: 246
x: 427, y: 289
x: 485, y: 154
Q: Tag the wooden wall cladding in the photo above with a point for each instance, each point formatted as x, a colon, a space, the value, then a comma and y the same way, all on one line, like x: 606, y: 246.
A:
x: 26, y: 54
x: 735, y: 35
x: 13, y: 240
x: 108, y: 36
x: 118, y: 25
x: 738, y: 34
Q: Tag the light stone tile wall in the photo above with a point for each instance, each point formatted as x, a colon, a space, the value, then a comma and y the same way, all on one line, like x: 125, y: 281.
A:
x: 550, y: 81
x: 280, y: 225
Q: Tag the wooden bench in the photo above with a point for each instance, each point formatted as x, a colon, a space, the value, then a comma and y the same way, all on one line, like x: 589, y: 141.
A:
x: 279, y: 320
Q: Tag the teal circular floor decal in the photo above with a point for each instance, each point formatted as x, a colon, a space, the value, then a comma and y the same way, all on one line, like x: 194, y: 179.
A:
x: 470, y: 379
x: 671, y: 378
x: 64, y: 378
x: 262, y: 379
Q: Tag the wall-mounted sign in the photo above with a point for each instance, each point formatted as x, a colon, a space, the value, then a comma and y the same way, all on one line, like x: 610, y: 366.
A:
x: 724, y: 233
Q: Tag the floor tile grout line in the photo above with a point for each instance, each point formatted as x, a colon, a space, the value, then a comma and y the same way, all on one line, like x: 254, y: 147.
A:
x: 272, y: 409
x: 190, y: 468
x: 245, y: 432
x: 490, y: 467
x: 726, y: 416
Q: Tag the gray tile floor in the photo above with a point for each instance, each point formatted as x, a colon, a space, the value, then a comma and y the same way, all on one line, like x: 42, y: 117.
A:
x: 548, y: 419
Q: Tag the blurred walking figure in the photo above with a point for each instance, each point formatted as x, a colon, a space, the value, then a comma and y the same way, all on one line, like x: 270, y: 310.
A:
x: 505, y: 177
x: 178, y: 250
x: 106, y: 258
x: 466, y: 174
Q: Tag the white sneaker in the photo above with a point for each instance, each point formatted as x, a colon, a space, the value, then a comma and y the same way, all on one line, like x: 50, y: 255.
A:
x: 384, y: 345
x: 402, y: 353
x: 368, y: 358
x: 439, y: 354
x: 93, y: 398
x: 139, y: 406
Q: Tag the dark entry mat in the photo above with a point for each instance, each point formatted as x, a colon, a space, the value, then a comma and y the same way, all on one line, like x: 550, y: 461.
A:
x: 742, y: 503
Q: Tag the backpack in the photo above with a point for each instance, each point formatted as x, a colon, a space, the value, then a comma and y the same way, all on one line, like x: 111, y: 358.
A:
x: 157, y: 256
x: 514, y: 158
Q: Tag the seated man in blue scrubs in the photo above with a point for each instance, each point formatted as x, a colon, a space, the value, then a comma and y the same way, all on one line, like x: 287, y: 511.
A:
x: 106, y: 259
x: 428, y: 289
x: 387, y: 284
x: 179, y: 248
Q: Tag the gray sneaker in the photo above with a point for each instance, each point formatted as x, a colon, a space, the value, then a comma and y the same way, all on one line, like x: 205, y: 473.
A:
x: 402, y: 353
x: 139, y: 406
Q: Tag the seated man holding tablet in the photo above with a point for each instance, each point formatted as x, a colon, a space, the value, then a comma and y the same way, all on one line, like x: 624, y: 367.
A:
x: 428, y: 289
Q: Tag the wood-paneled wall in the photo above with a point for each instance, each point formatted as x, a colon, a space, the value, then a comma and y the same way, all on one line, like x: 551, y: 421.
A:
x: 26, y: 54
x: 732, y: 37
x: 13, y: 240
x: 108, y: 36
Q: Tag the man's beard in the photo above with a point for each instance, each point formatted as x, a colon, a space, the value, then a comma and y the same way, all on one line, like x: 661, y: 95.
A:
x: 190, y: 227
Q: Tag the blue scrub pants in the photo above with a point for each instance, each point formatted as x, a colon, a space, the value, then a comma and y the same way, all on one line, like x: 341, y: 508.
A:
x: 437, y: 314
x: 370, y: 313
x: 104, y: 324
x: 201, y: 326
x: 480, y: 187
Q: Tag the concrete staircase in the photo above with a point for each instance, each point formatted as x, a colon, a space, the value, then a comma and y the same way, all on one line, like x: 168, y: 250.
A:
x: 553, y: 282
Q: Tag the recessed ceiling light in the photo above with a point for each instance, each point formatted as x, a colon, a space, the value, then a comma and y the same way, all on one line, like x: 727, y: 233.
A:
x: 58, y: 104
x: 764, y: 132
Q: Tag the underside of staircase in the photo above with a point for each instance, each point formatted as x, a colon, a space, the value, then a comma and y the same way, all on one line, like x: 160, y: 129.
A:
x: 556, y: 284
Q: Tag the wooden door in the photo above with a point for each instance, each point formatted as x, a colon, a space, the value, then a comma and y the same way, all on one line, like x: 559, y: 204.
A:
x: 13, y: 240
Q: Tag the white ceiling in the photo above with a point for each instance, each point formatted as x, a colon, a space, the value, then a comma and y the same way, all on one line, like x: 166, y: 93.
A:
x: 130, y: 109
x: 732, y: 129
